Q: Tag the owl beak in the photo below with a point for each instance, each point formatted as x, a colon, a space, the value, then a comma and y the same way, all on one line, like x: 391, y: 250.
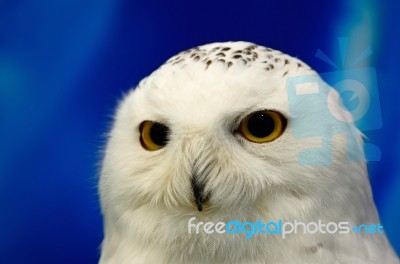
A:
x: 198, y: 181
x: 198, y: 189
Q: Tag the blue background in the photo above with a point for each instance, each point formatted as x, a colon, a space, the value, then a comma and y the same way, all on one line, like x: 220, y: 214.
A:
x: 64, y: 65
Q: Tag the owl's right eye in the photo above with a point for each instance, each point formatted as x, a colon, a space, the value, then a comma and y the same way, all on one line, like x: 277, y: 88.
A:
x: 153, y: 135
x: 262, y: 126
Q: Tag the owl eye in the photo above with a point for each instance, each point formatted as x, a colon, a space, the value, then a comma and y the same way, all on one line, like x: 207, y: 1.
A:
x: 153, y: 135
x: 263, y: 126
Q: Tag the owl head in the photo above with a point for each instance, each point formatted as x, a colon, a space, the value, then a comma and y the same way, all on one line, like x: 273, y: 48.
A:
x: 215, y: 129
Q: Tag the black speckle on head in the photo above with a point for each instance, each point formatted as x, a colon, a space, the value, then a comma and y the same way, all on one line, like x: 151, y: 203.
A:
x: 237, y: 56
x: 222, y: 60
x: 270, y: 56
x: 226, y: 49
x: 208, y: 63
x: 299, y: 65
x: 244, y: 61
x: 197, y: 58
x: 238, y: 51
x: 286, y: 61
x: 177, y: 61
x: 271, y: 66
x: 229, y: 64
x: 221, y: 54
x: 286, y: 72
x: 277, y: 59
x: 267, y: 69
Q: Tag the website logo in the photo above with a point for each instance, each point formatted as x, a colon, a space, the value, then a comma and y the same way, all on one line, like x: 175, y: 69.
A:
x: 280, y: 227
x: 358, y: 96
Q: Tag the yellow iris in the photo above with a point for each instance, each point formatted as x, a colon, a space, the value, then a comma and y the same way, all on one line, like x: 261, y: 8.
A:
x: 153, y: 135
x: 262, y: 126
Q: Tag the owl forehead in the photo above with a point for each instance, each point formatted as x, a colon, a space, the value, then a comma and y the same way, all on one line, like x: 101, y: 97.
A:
x: 231, y: 54
x: 187, y: 96
x: 218, y: 80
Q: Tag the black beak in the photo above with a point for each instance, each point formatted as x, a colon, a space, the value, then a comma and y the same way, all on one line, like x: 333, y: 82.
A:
x: 198, y: 189
x: 198, y: 181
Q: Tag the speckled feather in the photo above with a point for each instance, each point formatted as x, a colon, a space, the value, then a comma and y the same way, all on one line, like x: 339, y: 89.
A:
x: 236, y: 53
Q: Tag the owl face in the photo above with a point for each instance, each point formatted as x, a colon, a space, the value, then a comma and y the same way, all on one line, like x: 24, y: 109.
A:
x: 211, y: 130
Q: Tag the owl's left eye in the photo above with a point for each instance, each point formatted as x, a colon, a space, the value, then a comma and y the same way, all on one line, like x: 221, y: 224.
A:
x: 262, y: 126
x: 153, y: 135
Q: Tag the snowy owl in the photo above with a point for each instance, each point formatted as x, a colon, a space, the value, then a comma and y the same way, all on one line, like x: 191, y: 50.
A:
x: 211, y: 138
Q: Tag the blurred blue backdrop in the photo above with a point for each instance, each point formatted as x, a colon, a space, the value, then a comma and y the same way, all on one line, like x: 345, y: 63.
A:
x: 64, y: 65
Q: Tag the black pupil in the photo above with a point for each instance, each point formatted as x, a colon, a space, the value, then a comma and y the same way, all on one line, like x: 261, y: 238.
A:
x: 261, y: 125
x: 159, y: 134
